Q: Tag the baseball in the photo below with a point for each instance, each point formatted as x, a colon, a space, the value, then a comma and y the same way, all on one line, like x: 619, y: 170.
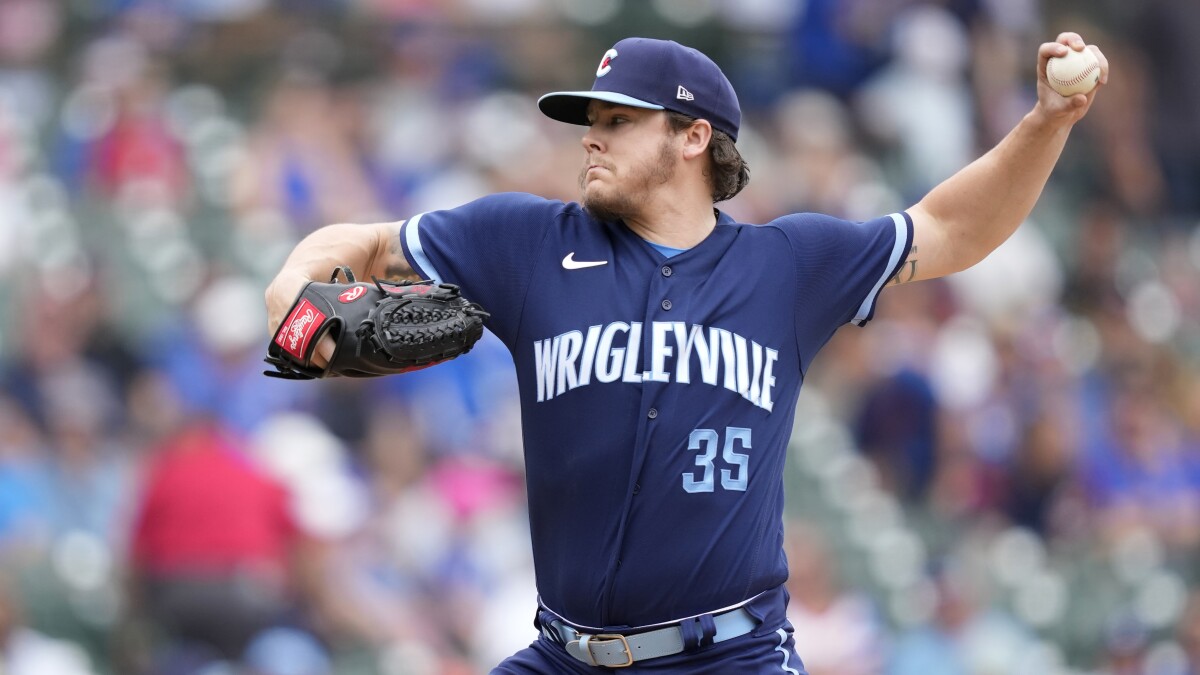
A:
x: 1075, y: 73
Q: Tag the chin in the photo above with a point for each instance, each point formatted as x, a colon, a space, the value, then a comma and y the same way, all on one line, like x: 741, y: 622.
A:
x: 592, y: 194
x: 604, y: 209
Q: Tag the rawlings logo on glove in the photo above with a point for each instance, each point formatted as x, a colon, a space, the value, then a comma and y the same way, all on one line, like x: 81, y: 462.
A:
x: 378, y: 329
x: 298, y: 329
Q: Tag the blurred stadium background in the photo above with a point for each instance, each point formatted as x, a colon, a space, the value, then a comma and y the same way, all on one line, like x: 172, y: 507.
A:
x: 1000, y: 476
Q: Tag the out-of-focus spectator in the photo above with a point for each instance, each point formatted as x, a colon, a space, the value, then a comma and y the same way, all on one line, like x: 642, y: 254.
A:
x: 116, y: 143
x: 838, y: 632
x: 1126, y: 165
x: 21, y: 507
x: 820, y: 166
x: 1041, y: 480
x: 71, y: 466
x: 919, y: 104
x: 213, y: 546
x: 330, y: 507
x: 300, y: 160
x: 1099, y: 238
x: 965, y: 637
x: 28, y: 32
x: 446, y: 541
x: 1126, y: 642
x: 837, y: 45
x: 380, y: 575
x: 1001, y: 30
x: 1188, y: 633
x: 286, y: 651
x: 85, y: 477
x: 897, y: 428
x: 1136, y: 465
x: 24, y: 651
x: 211, y: 357
x: 1165, y: 30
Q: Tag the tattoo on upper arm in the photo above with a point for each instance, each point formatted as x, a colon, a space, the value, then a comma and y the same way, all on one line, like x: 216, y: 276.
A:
x: 397, y: 268
x: 908, y: 269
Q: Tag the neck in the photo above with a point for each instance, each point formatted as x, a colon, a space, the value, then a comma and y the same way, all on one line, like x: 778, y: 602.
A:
x: 675, y: 220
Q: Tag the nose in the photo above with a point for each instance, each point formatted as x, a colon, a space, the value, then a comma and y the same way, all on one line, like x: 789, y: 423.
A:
x: 590, y: 142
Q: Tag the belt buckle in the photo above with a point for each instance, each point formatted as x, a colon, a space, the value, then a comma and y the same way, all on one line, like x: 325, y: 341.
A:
x: 611, y: 637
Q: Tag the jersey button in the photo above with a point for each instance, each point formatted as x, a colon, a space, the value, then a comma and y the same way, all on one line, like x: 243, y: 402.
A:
x: 652, y: 413
x: 637, y: 487
x: 666, y: 304
x: 667, y: 271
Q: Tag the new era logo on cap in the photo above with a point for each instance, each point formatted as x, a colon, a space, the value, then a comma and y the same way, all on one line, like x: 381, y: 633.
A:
x: 684, y: 95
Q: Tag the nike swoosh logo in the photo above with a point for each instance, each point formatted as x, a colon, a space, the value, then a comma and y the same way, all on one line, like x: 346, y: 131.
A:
x: 571, y: 263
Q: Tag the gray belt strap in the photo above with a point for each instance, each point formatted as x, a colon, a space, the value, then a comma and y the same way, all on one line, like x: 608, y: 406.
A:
x: 613, y: 650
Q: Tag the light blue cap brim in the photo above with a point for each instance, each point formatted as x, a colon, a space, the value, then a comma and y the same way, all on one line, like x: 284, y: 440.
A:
x: 571, y: 106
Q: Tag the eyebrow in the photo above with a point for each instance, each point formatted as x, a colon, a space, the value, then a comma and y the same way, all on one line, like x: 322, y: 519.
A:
x: 596, y: 105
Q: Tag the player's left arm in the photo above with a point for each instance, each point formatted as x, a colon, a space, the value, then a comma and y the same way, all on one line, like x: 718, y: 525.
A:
x: 971, y: 213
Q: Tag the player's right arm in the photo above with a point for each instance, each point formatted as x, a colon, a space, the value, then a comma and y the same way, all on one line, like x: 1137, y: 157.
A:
x: 369, y: 250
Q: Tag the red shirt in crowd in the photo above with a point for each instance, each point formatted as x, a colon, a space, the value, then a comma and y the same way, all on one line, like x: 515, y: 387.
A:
x: 207, y: 509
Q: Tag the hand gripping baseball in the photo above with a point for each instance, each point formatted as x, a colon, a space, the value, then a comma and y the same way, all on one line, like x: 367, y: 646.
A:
x: 378, y: 329
x: 1064, y: 96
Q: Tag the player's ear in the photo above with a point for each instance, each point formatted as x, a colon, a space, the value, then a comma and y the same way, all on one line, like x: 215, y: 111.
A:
x: 696, y: 139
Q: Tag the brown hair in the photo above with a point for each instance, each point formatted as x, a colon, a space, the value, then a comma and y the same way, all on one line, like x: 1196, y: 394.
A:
x: 730, y: 173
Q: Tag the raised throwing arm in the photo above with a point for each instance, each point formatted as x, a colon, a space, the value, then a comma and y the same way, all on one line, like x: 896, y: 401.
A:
x: 971, y: 213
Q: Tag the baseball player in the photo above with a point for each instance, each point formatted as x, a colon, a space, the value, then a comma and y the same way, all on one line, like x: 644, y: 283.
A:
x: 660, y: 347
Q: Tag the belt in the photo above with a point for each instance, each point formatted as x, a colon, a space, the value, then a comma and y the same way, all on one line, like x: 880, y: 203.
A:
x: 616, y: 650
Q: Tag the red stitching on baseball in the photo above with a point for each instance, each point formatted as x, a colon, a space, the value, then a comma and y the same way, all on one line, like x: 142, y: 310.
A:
x: 1078, y: 78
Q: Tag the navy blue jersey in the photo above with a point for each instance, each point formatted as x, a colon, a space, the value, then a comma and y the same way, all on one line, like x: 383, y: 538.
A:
x: 657, y: 394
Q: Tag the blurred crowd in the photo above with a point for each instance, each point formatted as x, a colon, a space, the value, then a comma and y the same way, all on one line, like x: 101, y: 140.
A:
x: 1001, y: 475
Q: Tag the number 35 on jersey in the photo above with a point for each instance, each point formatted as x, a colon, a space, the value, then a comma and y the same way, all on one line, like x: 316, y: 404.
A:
x: 735, y: 471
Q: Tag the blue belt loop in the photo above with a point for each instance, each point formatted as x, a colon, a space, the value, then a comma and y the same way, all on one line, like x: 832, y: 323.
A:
x: 698, y: 632
x: 708, y: 629
x: 690, y: 631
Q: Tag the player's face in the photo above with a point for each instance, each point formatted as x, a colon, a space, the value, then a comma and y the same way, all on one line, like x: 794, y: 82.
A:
x: 630, y: 153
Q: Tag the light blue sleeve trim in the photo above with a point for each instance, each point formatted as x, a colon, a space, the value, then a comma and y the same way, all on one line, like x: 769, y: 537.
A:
x: 412, y: 237
x: 864, y: 310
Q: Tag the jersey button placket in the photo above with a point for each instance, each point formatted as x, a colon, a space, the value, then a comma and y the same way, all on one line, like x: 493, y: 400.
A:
x: 652, y: 390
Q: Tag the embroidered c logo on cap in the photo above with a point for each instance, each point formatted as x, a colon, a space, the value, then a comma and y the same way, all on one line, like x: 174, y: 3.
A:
x: 606, y: 63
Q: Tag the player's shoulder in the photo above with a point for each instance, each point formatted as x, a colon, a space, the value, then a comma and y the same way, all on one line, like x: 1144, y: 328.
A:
x: 527, y: 209
x: 516, y: 202
x: 791, y: 221
x: 807, y: 220
x: 805, y: 226
x: 792, y: 226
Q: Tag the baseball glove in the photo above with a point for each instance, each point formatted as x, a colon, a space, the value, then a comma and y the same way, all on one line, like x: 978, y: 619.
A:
x: 380, y: 328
